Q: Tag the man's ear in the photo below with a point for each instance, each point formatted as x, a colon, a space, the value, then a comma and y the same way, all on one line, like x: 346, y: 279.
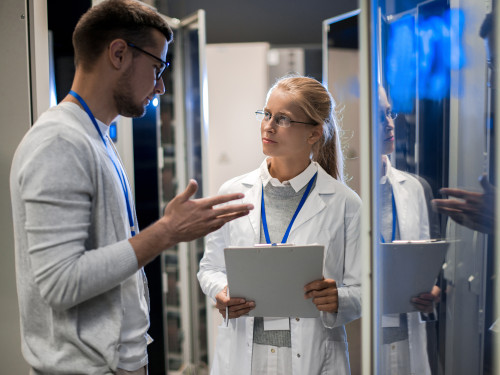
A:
x: 116, y: 52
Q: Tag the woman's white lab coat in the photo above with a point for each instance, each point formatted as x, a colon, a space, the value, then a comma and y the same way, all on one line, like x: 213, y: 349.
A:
x: 413, y: 224
x: 330, y: 216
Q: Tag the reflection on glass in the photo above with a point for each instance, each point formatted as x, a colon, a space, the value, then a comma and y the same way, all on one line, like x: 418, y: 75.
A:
x: 403, y: 216
x: 433, y: 65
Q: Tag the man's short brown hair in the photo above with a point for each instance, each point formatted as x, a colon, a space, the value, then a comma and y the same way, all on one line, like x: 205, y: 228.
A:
x: 130, y: 20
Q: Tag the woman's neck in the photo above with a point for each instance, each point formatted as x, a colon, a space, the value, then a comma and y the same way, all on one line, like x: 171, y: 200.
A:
x: 383, y: 165
x: 286, y: 169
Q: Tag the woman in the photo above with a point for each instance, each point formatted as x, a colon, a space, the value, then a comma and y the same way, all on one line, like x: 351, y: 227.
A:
x: 404, y: 217
x: 300, y: 139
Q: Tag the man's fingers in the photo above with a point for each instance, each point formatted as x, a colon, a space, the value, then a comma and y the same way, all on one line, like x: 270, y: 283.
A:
x: 448, y: 204
x: 470, y: 206
x: 232, y: 209
x: 221, y: 220
x: 190, y: 190
x: 459, y: 193
x: 219, y: 199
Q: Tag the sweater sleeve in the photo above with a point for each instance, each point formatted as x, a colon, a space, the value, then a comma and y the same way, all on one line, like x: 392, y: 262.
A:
x: 55, y: 183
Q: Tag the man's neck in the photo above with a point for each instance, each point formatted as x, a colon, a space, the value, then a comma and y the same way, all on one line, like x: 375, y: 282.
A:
x: 97, y: 95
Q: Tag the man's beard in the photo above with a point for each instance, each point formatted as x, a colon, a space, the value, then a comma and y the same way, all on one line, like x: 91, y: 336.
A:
x: 122, y: 95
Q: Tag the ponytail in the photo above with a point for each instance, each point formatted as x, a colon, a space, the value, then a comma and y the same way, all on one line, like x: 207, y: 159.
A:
x: 328, y: 151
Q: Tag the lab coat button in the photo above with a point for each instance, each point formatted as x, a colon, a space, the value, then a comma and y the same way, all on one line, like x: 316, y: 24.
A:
x: 272, y: 350
x: 298, y: 355
x: 297, y: 319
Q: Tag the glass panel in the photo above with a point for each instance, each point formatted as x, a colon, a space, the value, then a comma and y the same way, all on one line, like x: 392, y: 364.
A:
x: 432, y: 129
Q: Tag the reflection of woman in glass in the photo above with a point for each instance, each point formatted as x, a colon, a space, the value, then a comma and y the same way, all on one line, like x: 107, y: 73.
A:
x: 300, y: 138
x: 404, y: 216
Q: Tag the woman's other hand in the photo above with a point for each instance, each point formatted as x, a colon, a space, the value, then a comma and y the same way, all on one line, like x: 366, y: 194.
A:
x: 324, y: 294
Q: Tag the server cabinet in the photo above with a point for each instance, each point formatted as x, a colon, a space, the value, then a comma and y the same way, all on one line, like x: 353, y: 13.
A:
x: 183, y: 136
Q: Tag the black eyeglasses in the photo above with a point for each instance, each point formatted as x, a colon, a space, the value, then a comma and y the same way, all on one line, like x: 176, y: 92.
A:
x: 164, y: 64
x: 281, y: 120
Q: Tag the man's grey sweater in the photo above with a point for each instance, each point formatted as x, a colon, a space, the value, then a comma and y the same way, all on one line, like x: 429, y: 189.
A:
x: 72, y: 251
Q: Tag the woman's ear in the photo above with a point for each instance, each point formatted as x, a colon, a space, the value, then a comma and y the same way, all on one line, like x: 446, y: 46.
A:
x: 315, y: 135
x: 116, y: 52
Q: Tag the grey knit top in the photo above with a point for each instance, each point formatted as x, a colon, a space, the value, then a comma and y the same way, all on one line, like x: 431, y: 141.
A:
x: 281, y: 201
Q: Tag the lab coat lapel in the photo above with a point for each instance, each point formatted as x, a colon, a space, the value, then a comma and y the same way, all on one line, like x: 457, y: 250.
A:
x: 253, y: 196
x: 401, y: 198
x: 312, y: 206
x: 314, y: 203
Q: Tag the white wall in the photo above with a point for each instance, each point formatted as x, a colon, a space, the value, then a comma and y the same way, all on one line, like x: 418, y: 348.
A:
x: 237, y: 87
x: 20, y: 84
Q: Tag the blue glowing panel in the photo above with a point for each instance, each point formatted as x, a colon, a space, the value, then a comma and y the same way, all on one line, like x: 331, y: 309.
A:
x: 427, y: 50
x: 401, y: 63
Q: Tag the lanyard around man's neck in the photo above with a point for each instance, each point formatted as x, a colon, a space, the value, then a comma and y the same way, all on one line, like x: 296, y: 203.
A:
x: 263, y: 212
x: 119, y: 170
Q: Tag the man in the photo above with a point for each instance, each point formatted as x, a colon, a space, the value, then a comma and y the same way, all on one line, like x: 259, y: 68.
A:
x: 79, y: 256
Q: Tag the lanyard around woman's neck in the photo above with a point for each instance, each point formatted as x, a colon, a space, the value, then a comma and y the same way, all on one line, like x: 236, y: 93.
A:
x: 119, y: 170
x: 301, y: 203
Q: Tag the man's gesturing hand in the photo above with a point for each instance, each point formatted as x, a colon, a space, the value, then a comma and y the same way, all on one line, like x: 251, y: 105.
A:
x: 187, y: 219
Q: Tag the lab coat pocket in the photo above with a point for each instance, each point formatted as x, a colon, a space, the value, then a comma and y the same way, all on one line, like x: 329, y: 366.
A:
x: 222, y: 350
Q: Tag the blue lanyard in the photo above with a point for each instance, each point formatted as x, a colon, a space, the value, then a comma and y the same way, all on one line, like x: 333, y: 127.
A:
x: 119, y: 170
x: 394, y: 221
x: 263, y: 212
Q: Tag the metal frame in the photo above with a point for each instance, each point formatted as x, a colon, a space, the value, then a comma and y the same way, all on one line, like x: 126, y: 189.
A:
x: 368, y: 214
x: 496, y: 340
x: 325, y: 28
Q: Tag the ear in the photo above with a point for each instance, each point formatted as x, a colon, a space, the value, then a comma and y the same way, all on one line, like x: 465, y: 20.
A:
x: 315, y: 135
x: 116, y: 53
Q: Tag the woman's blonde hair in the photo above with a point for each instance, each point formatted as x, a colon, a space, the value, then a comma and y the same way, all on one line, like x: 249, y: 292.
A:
x: 318, y: 104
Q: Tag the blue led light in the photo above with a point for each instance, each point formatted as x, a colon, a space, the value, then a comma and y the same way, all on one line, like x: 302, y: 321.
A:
x: 113, y: 132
